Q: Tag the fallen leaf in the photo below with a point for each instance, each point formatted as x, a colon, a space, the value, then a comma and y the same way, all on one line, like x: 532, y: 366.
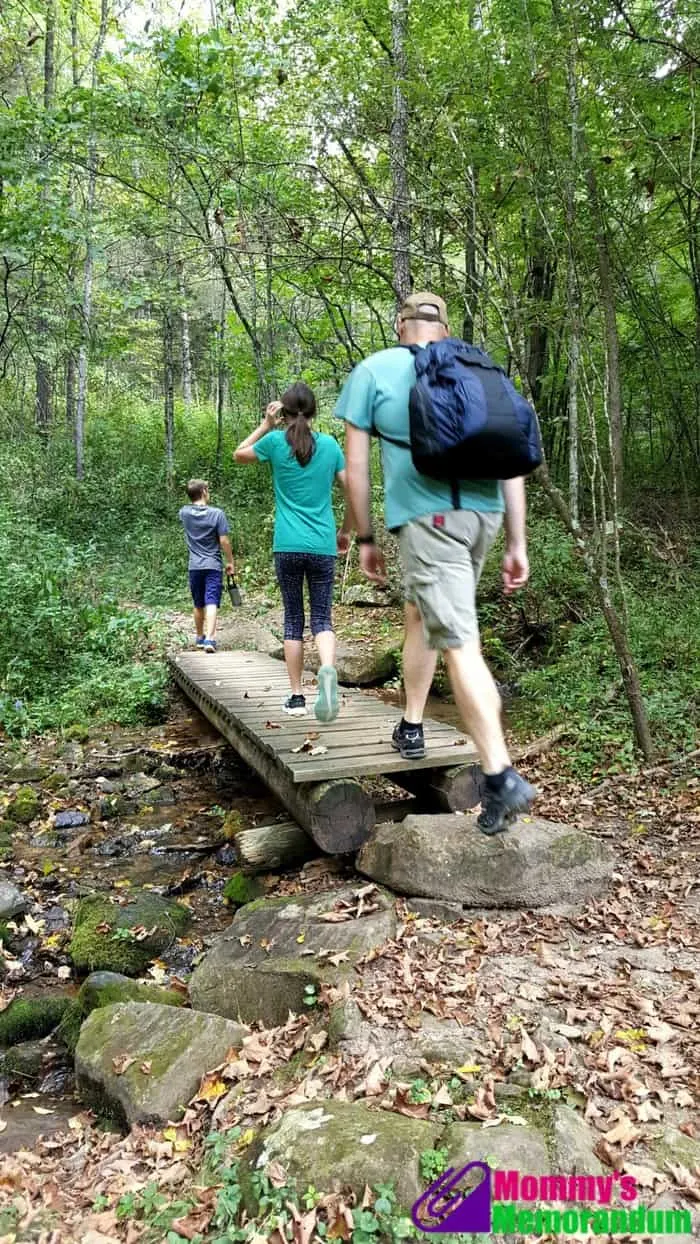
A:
x: 121, y: 1063
x: 645, y: 1176
x: 42, y: 1110
x: 528, y: 1047
x: 272, y: 725
x: 211, y: 1088
x: 146, y: 1067
x: 622, y: 1134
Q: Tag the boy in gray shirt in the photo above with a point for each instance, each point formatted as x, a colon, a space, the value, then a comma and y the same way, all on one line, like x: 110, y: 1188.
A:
x: 206, y: 533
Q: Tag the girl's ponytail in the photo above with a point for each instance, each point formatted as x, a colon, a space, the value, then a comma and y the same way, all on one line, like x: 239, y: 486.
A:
x: 299, y: 408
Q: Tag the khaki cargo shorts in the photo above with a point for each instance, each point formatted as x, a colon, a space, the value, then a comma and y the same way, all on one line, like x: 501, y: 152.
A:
x: 442, y: 556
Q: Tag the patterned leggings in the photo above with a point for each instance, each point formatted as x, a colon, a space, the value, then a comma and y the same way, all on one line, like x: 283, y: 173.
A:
x: 319, y: 570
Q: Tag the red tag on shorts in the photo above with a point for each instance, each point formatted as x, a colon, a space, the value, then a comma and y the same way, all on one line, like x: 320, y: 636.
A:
x: 438, y: 520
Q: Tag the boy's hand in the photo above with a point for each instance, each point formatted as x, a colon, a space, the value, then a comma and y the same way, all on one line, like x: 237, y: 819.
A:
x: 343, y: 541
x: 230, y: 569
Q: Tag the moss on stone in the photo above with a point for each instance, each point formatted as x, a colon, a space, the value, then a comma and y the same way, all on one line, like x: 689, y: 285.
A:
x: 55, y: 781
x: 24, y: 806
x: 233, y: 824
x: 99, y: 943
x: 241, y: 890
x: 77, y: 733
x: 27, y: 1018
x: 573, y: 849
x: 23, y: 1063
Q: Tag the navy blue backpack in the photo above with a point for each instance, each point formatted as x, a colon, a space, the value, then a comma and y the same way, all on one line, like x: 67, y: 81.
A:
x: 467, y: 420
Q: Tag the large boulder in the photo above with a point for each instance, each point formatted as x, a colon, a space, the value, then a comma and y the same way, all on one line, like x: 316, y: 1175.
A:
x: 142, y: 1063
x: 104, y: 989
x: 441, y: 1042
x: 12, y: 901
x: 124, y: 937
x: 277, y: 952
x: 335, y: 1146
x: 533, y: 864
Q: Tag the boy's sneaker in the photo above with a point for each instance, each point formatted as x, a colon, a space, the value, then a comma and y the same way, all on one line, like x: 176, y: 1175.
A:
x: 199, y: 642
x: 408, y: 740
x: 499, y: 808
x: 326, y: 704
x: 295, y: 706
x: 209, y: 645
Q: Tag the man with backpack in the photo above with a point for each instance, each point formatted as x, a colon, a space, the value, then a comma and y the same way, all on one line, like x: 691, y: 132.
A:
x: 439, y: 402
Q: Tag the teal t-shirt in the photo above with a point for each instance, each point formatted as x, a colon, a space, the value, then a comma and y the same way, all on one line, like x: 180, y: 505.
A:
x: 375, y: 395
x: 304, y: 521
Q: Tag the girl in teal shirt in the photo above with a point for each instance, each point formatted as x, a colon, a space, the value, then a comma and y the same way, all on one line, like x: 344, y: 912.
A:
x: 305, y: 464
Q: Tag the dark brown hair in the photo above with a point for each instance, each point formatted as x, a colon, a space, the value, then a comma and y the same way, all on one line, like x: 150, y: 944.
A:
x: 299, y: 408
x: 196, y: 489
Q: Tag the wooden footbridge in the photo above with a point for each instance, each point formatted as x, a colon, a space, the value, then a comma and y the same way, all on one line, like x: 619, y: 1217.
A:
x: 315, y: 769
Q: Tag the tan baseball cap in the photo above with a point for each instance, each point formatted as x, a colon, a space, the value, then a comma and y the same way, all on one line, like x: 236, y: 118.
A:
x: 424, y: 306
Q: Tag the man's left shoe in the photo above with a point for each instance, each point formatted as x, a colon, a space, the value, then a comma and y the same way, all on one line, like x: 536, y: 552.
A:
x: 209, y: 645
x: 500, y: 808
x: 326, y: 704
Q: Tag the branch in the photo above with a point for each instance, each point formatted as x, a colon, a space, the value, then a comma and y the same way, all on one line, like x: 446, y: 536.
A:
x: 679, y: 49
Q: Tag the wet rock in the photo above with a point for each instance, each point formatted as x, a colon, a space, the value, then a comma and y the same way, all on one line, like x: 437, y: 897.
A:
x: 104, y: 989
x: 226, y: 855
x: 22, y: 1064
x: 334, y: 1145
x: 140, y: 784
x: 113, y: 806
x: 241, y: 889
x: 70, y: 819
x: 171, y: 1050
x: 573, y: 1143
x: 105, y: 786
x: 534, y: 864
x: 166, y: 773
x: 363, y: 663
x: 24, y: 806
x: 28, y: 1018
x: 124, y: 938
x: 161, y: 797
x: 55, y: 781
x: 278, y: 951
x: 12, y: 901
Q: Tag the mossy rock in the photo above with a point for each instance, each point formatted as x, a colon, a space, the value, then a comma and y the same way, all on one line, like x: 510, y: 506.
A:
x: 24, y: 806
x: 28, y: 1018
x: 77, y: 733
x: 240, y: 889
x: 55, y: 781
x: 28, y: 773
x: 114, y: 938
x: 167, y: 1051
x: 23, y: 1063
x: 7, y: 829
x: 104, y: 989
x: 233, y: 824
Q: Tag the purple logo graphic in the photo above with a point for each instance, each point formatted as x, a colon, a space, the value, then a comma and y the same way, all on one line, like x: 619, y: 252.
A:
x: 447, y: 1207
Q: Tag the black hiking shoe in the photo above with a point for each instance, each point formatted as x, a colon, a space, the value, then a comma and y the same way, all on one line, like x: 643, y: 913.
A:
x: 499, y: 808
x: 295, y: 706
x: 409, y: 741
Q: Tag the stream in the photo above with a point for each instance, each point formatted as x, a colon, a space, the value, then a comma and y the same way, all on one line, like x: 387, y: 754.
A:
x: 149, y: 807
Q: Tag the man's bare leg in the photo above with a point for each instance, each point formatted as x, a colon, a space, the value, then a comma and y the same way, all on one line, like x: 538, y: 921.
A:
x: 198, y: 623
x: 479, y: 704
x: 419, y: 663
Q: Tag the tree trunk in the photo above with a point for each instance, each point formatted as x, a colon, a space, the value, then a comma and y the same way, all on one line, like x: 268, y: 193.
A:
x: 43, y: 392
x: 612, y: 341
x: 185, y: 336
x: 221, y: 384
x: 169, y: 395
x: 86, y: 312
x: 615, y: 624
x: 471, y: 275
x: 540, y: 288
x: 400, y: 213
x: 572, y: 292
x: 445, y: 790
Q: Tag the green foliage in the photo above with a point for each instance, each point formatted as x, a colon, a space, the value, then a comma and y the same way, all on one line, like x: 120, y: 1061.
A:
x: 432, y: 1163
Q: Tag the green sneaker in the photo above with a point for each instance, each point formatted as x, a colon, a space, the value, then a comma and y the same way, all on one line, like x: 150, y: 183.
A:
x: 327, y: 704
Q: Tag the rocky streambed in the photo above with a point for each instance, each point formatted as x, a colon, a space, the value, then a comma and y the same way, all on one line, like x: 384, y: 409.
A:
x: 531, y: 1002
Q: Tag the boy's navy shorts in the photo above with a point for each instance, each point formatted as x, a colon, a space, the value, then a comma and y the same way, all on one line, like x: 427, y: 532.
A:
x: 206, y: 587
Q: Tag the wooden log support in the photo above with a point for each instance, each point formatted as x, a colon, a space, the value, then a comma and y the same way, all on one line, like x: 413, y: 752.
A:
x: 266, y: 848
x: 445, y: 790
x: 338, y: 814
